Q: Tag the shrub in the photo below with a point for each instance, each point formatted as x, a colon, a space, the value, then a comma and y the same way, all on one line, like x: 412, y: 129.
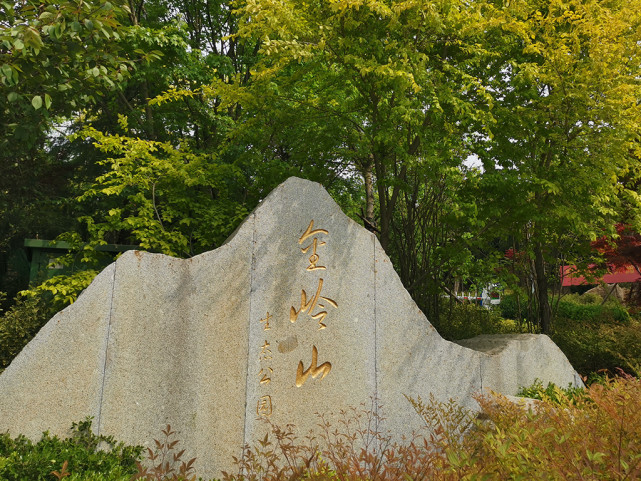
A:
x: 607, y: 344
x: 592, y: 313
x: 552, y: 393
x: 597, y: 437
x: 463, y: 321
x: 509, y: 307
x: 166, y: 462
x: 20, y: 324
x: 354, y: 451
x: 82, y: 455
x: 594, y: 437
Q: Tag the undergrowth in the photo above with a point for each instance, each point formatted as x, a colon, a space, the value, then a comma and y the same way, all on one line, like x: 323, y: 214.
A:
x: 83, y: 456
x: 566, y: 435
x: 595, y: 436
x: 552, y: 392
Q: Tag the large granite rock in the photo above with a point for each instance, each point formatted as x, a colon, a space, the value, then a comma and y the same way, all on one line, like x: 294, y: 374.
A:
x: 300, y: 312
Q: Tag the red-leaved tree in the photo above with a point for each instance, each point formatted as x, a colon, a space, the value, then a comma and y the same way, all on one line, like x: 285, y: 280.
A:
x: 620, y: 253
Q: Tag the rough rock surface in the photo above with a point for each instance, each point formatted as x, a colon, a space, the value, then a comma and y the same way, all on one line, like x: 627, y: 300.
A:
x: 300, y: 312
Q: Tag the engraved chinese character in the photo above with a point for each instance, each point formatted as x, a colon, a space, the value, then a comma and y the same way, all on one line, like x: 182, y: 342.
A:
x: 265, y: 352
x: 315, y: 371
x: 265, y: 376
x: 313, y: 259
x: 309, y: 306
x: 266, y: 321
x: 264, y: 406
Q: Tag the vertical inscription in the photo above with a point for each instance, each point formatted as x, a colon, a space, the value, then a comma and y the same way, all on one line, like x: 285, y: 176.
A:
x: 315, y: 306
x: 264, y: 404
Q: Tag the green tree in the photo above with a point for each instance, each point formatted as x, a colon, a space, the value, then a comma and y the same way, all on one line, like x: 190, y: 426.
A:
x: 381, y: 91
x: 564, y: 77
x: 56, y: 58
x: 348, y: 70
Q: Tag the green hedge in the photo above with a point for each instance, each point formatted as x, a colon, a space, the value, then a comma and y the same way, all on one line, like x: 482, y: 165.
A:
x: 22, y: 459
x: 592, y: 313
x: 584, y: 308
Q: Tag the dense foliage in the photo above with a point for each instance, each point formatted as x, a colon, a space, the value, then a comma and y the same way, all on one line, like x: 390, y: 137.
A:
x: 483, y: 142
x: 88, y: 456
x: 20, y: 324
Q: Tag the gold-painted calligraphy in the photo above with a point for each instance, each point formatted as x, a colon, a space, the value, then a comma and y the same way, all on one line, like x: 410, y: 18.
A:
x: 264, y: 406
x: 309, y: 306
x: 265, y: 375
x: 265, y: 352
x: 266, y: 321
x: 315, y: 371
x: 314, y: 258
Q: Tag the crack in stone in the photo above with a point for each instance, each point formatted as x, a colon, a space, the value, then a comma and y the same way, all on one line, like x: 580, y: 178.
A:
x: 104, y: 367
x: 249, y: 325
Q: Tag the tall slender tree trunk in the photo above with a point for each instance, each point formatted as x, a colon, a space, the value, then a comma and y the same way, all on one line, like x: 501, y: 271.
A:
x: 383, y: 202
x: 369, y: 193
x: 545, y: 313
x: 135, y: 10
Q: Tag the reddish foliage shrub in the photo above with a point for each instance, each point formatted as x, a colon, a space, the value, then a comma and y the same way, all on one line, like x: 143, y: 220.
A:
x: 597, y: 436
x: 589, y: 437
x: 166, y: 461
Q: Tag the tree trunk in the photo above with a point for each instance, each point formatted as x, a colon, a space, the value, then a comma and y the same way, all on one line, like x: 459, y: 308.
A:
x: 545, y: 313
x: 369, y: 193
x: 383, y: 203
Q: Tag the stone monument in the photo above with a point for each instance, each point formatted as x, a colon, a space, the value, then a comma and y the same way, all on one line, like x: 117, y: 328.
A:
x: 299, y: 312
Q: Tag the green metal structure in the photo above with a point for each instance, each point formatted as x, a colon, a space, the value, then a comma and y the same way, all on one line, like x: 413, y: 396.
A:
x: 42, y: 256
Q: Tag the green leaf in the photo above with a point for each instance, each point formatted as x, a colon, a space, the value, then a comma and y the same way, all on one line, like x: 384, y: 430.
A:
x: 12, y: 97
x: 47, y: 101
x: 44, y: 16
x: 36, y: 102
x: 6, y: 70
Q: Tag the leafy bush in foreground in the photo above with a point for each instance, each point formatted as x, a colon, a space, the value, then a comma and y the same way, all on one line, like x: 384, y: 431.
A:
x: 595, y: 436
x: 82, y: 455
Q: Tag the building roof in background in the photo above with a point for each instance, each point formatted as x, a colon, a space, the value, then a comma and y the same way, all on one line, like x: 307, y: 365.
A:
x: 570, y: 278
